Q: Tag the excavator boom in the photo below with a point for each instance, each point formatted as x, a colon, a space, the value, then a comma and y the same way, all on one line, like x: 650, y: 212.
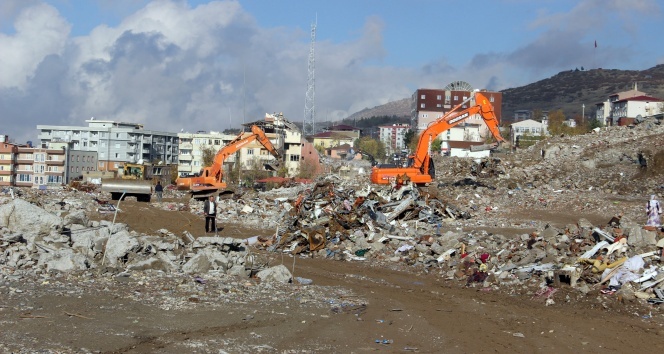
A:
x: 421, y: 170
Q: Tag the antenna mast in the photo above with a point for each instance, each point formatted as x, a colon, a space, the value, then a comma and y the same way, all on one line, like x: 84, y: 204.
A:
x: 309, y: 122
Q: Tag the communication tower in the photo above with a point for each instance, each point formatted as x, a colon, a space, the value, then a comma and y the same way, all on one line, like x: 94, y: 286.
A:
x: 309, y: 122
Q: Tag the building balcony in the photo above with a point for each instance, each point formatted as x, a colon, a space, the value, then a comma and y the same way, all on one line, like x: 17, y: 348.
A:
x: 185, y: 157
x: 186, y: 146
x: 54, y: 173
x: 184, y: 168
x: 6, y: 172
x: 55, y: 162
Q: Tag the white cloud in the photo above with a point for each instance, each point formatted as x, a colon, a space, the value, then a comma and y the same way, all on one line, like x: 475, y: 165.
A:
x: 171, y: 66
x: 40, y: 31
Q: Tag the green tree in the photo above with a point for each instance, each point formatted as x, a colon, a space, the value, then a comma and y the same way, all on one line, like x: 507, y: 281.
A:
x: 594, y: 123
x: 556, y: 120
x: 435, y: 145
x: 409, y: 137
x: 372, y: 147
x: 208, y: 153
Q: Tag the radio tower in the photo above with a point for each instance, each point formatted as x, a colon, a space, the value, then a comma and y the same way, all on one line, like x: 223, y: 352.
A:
x: 309, y: 123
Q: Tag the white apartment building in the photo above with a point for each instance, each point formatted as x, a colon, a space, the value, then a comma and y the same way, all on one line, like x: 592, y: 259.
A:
x: 191, y: 146
x: 114, y: 142
x: 466, y: 132
x: 284, y: 135
x: 393, y: 136
x: 528, y: 126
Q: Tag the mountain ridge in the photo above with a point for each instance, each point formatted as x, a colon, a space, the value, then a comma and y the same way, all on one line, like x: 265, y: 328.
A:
x: 567, y: 90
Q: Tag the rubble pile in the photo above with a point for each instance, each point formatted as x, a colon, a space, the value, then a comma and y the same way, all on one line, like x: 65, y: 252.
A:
x: 473, y: 226
x: 31, y: 238
x: 439, y: 228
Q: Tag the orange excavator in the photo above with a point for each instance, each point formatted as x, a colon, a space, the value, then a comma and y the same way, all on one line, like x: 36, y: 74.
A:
x: 209, y: 180
x: 421, y: 169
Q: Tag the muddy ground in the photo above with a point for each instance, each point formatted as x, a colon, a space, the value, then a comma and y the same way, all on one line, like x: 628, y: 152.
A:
x: 357, y: 304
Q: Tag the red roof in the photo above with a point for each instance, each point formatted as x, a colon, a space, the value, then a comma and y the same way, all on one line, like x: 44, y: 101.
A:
x: 641, y: 98
x: 342, y: 127
x: 463, y: 144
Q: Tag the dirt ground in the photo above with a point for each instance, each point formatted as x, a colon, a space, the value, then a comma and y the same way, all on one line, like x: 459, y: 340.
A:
x: 403, y: 309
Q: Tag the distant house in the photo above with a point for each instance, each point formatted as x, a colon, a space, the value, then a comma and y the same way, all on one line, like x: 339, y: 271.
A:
x: 462, y: 132
x: 462, y: 149
x: 344, y: 151
x: 606, y: 112
x: 332, y: 138
x: 527, y: 127
x: 348, y: 130
x: 626, y: 110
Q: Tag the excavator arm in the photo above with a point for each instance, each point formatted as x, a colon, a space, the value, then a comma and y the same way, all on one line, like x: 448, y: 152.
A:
x: 210, y: 178
x: 419, y: 171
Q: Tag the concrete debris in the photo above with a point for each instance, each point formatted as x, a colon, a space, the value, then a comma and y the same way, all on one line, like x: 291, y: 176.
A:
x: 41, y: 233
x: 473, y: 225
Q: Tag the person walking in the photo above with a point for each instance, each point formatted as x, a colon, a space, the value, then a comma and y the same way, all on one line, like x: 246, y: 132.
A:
x: 210, y: 211
x: 159, y: 191
x: 653, y: 210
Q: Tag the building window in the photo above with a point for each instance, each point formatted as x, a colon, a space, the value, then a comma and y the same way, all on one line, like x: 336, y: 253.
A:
x: 24, y: 178
x: 294, y: 158
x: 423, y: 97
x: 250, y: 151
x: 439, y: 97
x: 421, y: 105
x: 456, y: 98
x: 491, y: 99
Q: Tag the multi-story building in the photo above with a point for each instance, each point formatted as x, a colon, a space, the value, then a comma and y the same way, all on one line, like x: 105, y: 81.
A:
x: 8, y: 153
x: 115, y: 142
x: 431, y: 104
x: 53, y: 164
x: 624, y: 111
x: 284, y: 135
x: 604, y: 112
x: 191, y: 146
x: 393, y: 136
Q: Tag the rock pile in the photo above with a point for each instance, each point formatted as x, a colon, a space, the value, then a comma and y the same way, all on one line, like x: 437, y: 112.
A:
x: 31, y: 238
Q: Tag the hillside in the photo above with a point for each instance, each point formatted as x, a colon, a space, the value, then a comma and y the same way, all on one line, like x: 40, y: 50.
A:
x: 400, y: 108
x: 567, y: 90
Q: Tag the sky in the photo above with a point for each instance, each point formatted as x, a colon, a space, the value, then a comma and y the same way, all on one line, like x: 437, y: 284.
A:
x: 193, y: 65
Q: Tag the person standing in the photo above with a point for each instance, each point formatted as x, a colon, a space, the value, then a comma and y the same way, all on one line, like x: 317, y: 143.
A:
x: 210, y: 211
x: 159, y: 190
x: 653, y: 210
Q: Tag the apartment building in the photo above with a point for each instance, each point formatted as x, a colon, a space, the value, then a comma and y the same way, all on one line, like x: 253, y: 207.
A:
x: 8, y: 153
x: 428, y: 105
x: 284, y: 135
x: 393, y: 136
x: 191, y: 146
x: 114, y: 142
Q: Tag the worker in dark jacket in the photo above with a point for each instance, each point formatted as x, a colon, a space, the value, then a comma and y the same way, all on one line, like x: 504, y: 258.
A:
x: 210, y: 212
x: 159, y: 190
